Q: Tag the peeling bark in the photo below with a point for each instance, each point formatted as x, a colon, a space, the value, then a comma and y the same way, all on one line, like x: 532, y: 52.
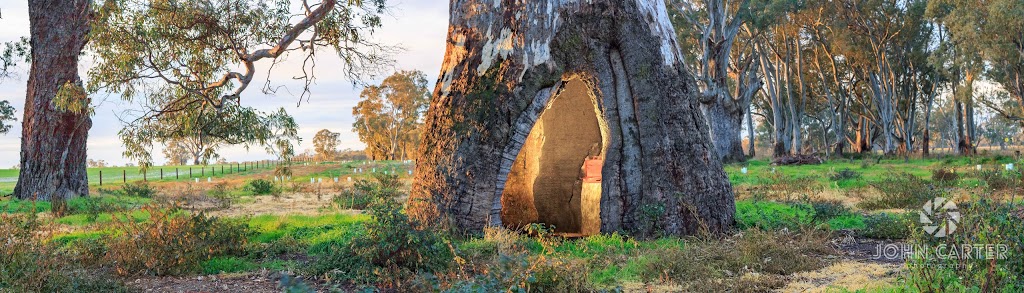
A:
x: 504, y: 61
x: 53, y: 143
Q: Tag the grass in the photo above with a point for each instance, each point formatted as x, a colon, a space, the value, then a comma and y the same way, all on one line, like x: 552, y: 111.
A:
x: 870, y: 171
x: 115, y: 176
x: 291, y: 242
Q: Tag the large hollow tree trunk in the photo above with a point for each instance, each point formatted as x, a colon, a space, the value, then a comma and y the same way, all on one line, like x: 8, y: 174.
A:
x: 53, y: 142
x: 504, y: 64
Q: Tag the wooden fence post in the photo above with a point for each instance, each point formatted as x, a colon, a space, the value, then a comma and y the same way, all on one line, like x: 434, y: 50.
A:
x: 101, y: 177
x: 124, y: 176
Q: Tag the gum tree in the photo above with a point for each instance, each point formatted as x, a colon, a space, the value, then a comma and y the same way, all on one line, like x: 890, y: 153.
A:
x: 506, y: 61
x: 186, y: 62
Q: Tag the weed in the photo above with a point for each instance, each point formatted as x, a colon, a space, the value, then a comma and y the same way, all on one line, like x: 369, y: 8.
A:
x: 261, y: 187
x: 172, y: 242
x: 363, y: 192
x: 31, y: 263
x: 221, y: 195
x: 1001, y: 181
x: 947, y: 177
x: 900, y: 190
x: 845, y: 174
x: 393, y: 249
x: 136, y: 189
x: 993, y: 226
x: 218, y: 265
x: 887, y: 226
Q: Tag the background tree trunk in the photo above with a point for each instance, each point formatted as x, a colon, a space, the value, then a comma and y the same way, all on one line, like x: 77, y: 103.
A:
x: 505, y: 62
x: 53, y: 142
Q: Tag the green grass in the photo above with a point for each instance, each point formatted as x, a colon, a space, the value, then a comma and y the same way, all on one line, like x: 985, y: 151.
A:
x: 759, y: 170
x: 311, y: 230
x: 228, y: 264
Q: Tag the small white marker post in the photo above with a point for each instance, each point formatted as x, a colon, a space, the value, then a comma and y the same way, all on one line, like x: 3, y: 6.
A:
x: 208, y: 179
x: 744, y: 170
x: 410, y: 172
x: 335, y: 179
x: 978, y: 167
x: 1009, y: 167
x: 197, y: 180
x: 312, y: 180
x: 349, y: 179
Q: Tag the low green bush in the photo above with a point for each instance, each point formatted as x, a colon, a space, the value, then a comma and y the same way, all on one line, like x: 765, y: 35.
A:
x: 887, y: 225
x: 261, y: 187
x: 991, y: 226
x: 845, y: 174
x: 364, y: 192
x: 392, y: 249
x: 29, y: 262
x: 172, y: 242
x: 134, y: 189
x: 900, y: 190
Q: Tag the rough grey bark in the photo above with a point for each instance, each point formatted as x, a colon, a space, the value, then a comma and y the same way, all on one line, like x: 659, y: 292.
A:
x: 504, y: 62
x: 53, y: 142
x: 723, y: 108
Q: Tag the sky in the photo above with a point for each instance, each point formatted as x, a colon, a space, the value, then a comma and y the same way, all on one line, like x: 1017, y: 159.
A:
x: 418, y: 26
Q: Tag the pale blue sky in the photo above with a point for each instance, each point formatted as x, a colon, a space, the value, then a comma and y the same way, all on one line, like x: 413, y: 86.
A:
x: 419, y: 26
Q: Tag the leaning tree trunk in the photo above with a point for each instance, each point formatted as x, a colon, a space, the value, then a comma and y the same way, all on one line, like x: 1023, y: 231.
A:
x: 53, y: 142
x: 507, y: 61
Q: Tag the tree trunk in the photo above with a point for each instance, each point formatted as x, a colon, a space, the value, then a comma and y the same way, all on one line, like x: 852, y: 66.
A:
x: 53, y: 143
x: 726, y: 126
x: 750, y: 132
x: 508, y: 62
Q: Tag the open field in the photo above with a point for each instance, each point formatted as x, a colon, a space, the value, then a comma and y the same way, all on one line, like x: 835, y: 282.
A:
x: 799, y: 228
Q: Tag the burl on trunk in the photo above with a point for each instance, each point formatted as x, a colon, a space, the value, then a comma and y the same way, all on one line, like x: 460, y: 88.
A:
x: 529, y: 90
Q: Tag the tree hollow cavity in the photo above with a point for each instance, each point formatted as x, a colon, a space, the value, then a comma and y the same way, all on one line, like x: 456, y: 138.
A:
x: 548, y: 182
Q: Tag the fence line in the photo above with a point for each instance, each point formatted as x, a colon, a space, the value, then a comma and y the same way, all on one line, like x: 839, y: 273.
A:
x: 232, y: 169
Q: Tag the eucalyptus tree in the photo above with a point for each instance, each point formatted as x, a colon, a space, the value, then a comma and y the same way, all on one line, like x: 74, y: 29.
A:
x: 507, y: 61
x: 992, y: 31
x: 729, y: 79
x: 389, y: 115
x: 13, y: 54
x: 184, y: 61
x: 325, y: 144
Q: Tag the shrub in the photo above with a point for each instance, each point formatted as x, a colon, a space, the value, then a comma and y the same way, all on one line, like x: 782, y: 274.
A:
x: 1000, y: 181
x: 887, y: 226
x: 29, y: 262
x: 136, y: 189
x: 828, y: 209
x: 261, y: 187
x: 945, y: 176
x: 900, y: 190
x: 754, y: 251
x: 172, y: 241
x: 363, y: 192
x: 221, y: 195
x: 393, y: 248
x: 984, y: 223
x: 845, y: 174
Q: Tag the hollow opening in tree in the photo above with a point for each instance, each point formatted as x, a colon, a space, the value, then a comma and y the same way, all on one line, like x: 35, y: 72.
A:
x: 556, y: 177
